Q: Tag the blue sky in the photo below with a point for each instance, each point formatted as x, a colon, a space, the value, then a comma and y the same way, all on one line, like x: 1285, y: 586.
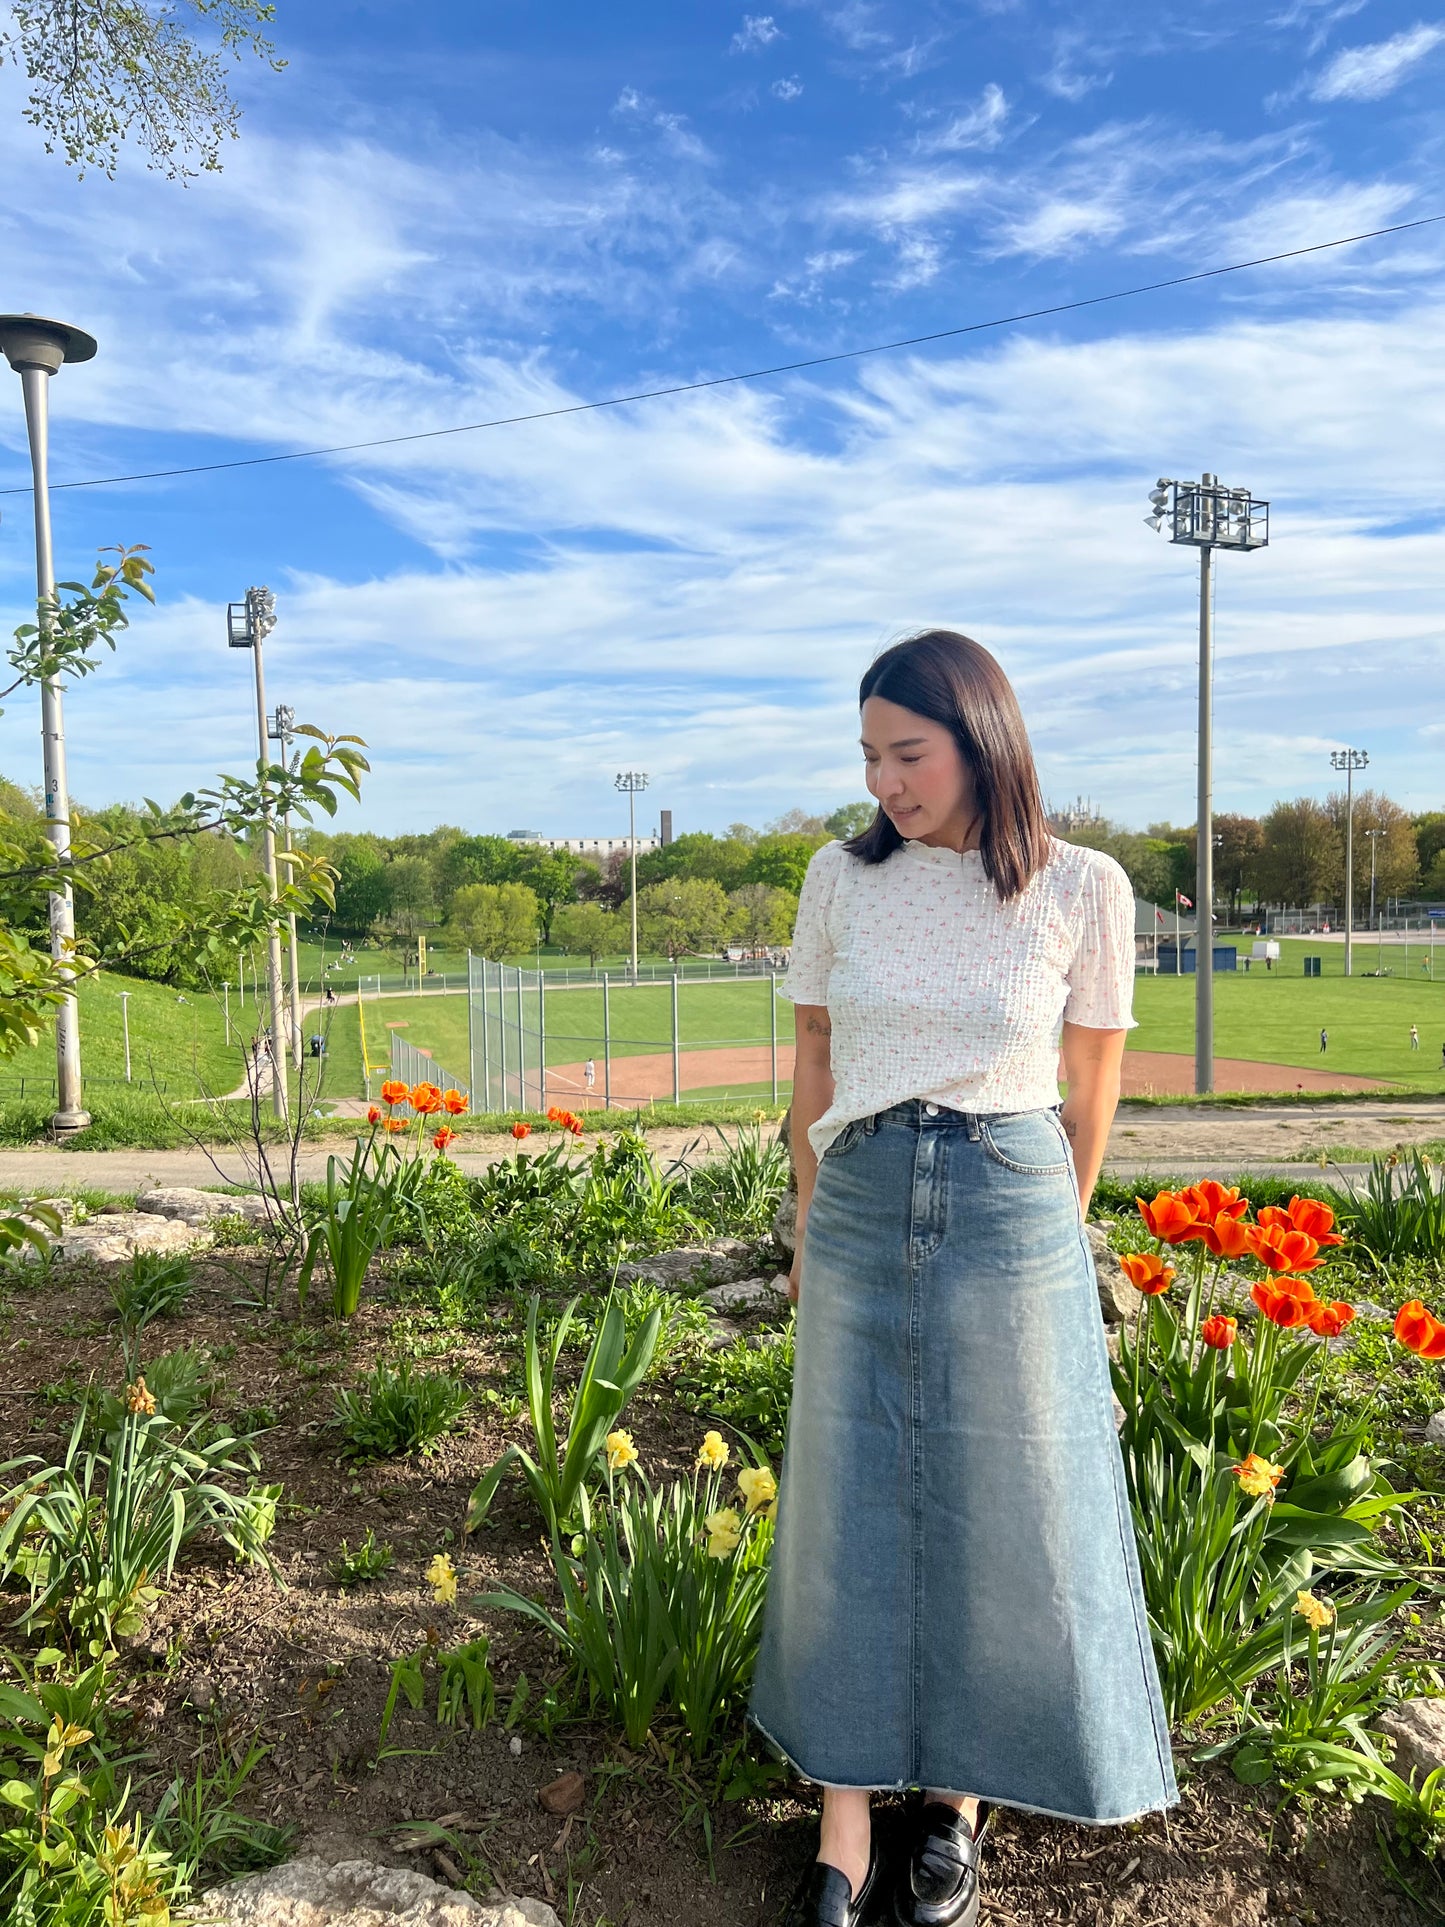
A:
x: 441, y: 213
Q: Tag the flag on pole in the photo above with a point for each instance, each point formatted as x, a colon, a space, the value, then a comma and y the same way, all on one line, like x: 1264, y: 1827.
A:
x: 1179, y: 897
x: 1159, y: 913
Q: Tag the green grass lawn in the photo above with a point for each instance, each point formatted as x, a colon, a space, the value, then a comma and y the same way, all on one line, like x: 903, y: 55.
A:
x: 170, y: 1040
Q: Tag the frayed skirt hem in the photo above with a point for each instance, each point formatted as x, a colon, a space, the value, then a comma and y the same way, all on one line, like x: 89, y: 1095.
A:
x: 979, y: 1793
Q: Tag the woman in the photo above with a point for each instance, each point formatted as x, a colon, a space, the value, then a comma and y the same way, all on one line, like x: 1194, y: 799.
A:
x: 954, y: 1602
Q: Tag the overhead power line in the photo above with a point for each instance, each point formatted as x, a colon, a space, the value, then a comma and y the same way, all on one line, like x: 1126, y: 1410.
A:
x: 750, y: 374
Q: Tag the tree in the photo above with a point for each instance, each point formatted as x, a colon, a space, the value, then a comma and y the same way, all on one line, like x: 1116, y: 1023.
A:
x: 495, y: 919
x: 475, y: 859
x: 696, y: 854
x: 797, y: 823
x: 687, y: 914
x: 782, y: 860
x: 763, y: 914
x: 102, y: 70
x: 363, y: 895
x: 1297, y: 854
x: 589, y: 927
x: 411, y: 894
x: 1430, y: 839
x: 851, y: 820
x: 136, y: 908
x: 551, y: 876
x: 1396, y: 852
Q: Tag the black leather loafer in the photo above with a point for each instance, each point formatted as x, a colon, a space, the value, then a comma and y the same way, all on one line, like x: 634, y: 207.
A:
x: 825, y: 1898
x: 938, y: 1882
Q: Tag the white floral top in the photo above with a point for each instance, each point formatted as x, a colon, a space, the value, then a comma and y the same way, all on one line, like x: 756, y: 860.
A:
x: 936, y: 989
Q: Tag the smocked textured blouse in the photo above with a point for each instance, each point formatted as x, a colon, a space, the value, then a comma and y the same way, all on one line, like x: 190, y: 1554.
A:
x: 936, y: 989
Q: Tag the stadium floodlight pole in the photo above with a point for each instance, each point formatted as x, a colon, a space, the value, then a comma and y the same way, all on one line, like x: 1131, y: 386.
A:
x: 248, y: 624
x: 632, y: 781
x: 1206, y: 516
x: 36, y: 349
x: 282, y: 723
x: 1349, y: 760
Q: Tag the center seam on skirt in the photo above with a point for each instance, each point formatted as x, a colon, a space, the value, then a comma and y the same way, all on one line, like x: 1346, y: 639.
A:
x: 915, y: 1453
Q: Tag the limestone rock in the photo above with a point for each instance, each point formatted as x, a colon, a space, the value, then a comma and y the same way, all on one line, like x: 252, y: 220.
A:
x: 193, y: 1206
x: 722, y: 1259
x: 1435, y: 1429
x: 785, y: 1220
x: 111, y: 1238
x: 357, y: 1893
x: 1118, y: 1299
x: 747, y: 1294
x: 64, y: 1208
x: 722, y: 1332
x: 1418, y: 1729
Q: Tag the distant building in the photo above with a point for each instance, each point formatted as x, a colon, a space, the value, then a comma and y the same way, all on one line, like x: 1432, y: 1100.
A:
x: 1081, y: 814
x: 595, y: 846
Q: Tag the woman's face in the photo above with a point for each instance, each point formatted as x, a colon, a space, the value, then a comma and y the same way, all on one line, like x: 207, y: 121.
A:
x: 918, y: 775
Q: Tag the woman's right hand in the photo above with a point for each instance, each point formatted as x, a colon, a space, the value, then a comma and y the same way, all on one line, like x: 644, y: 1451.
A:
x: 795, y: 1275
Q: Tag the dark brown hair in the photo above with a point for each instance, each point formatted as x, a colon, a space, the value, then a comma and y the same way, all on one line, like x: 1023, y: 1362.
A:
x: 953, y: 680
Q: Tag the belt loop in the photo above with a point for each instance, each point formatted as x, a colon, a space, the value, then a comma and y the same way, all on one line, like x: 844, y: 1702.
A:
x: 870, y: 1123
x: 970, y: 1118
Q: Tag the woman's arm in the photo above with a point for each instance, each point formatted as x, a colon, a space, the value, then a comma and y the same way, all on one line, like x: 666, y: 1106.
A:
x: 1092, y: 1062
x: 812, y: 1094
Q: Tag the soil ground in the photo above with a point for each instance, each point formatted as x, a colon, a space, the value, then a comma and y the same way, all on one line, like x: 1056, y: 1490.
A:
x: 305, y: 1665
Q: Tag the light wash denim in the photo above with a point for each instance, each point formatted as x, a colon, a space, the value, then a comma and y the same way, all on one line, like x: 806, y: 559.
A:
x: 955, y: 1598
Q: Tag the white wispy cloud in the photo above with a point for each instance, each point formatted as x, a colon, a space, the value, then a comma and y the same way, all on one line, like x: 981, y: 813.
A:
x: 979, y: 125
x: 758, y: 30
x: 1371, y: 72
x: 788, y: 87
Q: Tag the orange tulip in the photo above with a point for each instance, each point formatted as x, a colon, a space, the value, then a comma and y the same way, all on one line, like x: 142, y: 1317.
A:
x: 554, y: 1114
x: 1281, y: 1250
x: 443, y: 1137
x: 1328, y: 1321
x: 1219, y: 1331
x: 1419, y: 1330
x: 1213, y: 1200
x: 521, y: 1130
x: 1307, y: 1215
x: 1146, y: 1272
x: 575, y: 1126
x: 455, y: 1104
x: 395, y: 1124
x: 1286, y: 1308
x: 1170, y: 1217
x: 373, y: 1114
x: 1226, y: 1236
x: 425, y: 1099
x: 393, y: 1091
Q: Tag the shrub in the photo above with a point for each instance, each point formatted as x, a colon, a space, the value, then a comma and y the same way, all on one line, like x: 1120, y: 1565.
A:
x: 746, y: 1386
x: 392, y: 1412
x: 662, y: 1596
x: 1401, y: 1211
x: 739, y: 1191
x: 612, y: 1372
x: 96, y: 1536
x: 155, y: 1285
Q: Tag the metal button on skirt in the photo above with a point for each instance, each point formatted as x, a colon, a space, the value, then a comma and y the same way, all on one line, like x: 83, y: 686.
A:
x: 954, y: 1599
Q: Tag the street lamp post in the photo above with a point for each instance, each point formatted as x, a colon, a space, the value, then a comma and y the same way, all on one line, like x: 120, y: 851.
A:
x: 632, y: 781
x: 36, y: 349
x: 282, y: 724
x: 1349, y: 760
x: 248, y: 624
x: 1206, y: 516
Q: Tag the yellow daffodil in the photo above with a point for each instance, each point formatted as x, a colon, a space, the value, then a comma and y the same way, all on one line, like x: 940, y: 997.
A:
x: 712, y: 1454
x: 138, y: 1401
x: 1314, y: 1612
x: 441, y: 1577
x: 724, y: 1529
x: 620, y: 1450
x: 758, y: 1487
x: 1258, y: 1476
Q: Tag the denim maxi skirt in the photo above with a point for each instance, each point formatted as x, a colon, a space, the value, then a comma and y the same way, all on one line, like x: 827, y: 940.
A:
x: 954, y: 1599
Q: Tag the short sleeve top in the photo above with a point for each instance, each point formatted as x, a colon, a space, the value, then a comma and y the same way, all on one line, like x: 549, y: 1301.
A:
x: 936, y: 988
